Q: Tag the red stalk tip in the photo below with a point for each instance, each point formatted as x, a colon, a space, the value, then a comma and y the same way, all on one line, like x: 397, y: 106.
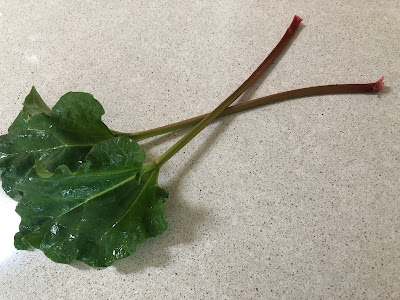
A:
x: 296, y: 21
x: 377, y: 86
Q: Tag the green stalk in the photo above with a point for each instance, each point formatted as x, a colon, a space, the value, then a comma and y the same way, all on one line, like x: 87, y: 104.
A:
x: 220, y: 109
x: 275, y: 98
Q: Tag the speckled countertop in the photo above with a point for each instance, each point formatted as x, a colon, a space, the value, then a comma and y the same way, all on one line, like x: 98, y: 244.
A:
x: 298, y: 200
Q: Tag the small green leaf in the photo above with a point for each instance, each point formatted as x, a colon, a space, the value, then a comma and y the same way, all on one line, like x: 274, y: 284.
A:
x: 33, y: 105
x: 96, y: 215
x: 63, y: 135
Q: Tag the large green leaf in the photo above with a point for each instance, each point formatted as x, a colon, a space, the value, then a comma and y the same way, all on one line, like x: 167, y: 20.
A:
x: 63, y: 135
x: 96, y: 215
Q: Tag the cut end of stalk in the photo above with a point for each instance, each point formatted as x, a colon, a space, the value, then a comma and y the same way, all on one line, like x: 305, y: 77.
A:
x: 296, y: 21
x: 377, y: 86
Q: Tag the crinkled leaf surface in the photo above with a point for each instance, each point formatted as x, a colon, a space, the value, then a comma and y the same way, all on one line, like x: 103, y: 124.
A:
x: 96, y: 215
x: 63, y: 135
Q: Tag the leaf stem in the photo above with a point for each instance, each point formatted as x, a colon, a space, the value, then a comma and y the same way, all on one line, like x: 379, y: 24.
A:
x: 220, y: 109
x: 279, y: 97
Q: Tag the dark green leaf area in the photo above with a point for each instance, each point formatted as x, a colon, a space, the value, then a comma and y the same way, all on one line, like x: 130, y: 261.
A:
x: 80, y: 114
x: 96, y: 215
x: 63, y: 136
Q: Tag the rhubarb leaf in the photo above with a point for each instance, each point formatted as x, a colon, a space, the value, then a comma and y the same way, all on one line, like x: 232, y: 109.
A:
x: 34, y: 104
x: 96, y: 215
x: 63, y: 135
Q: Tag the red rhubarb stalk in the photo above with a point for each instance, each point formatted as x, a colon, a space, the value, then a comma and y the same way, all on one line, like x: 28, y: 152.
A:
x: 275, y: 98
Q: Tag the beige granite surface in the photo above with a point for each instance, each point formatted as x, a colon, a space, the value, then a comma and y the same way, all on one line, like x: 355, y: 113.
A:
x: 298, y: 200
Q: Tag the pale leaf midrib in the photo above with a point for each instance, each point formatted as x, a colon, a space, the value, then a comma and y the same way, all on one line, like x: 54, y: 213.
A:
x: 127, y: 211
x: 85, y: 202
